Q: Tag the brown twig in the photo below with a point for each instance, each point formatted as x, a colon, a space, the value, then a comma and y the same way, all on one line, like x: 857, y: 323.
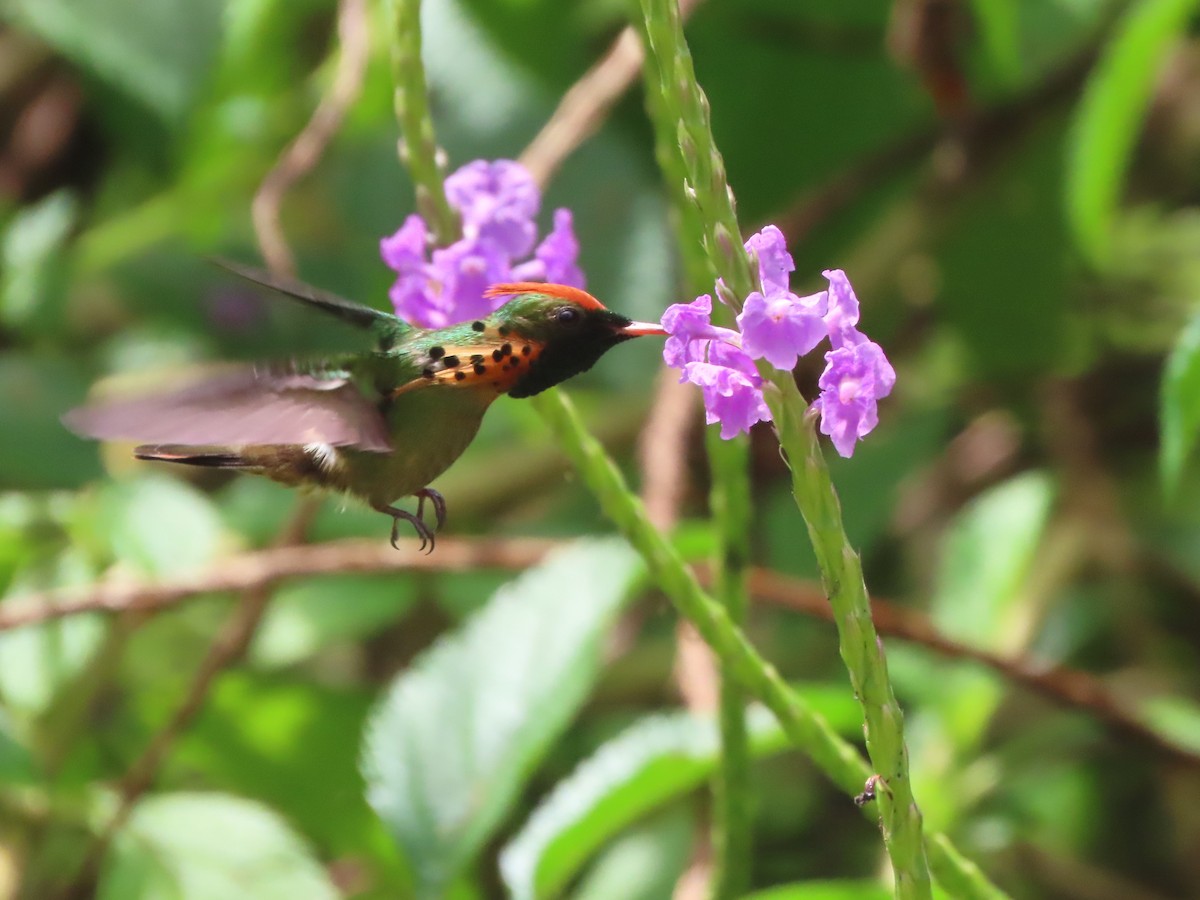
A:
x: 662, y: 448
x: 251, y: 571
x: 1069, y: 688
x: 587, y: 103
x: 304, y: 152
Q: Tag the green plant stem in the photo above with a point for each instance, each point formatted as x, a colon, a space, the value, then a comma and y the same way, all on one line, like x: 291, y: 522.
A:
x: 808, y: 730
x: 731, y: 512
x: 684, y: 107
x: 859, y: 644
x: 418, y: 147
x: 861, y: 650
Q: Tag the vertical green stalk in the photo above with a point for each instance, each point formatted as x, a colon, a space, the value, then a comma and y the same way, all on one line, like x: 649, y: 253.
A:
x: 730, y: 504
x: 859, y: 644
x: 729, y: 500
x: 808, y: 731
x: 685, y: 109
x: 758, y: 677
x: 860, y: 648
x: 418, y: 148
x: 729, y: 462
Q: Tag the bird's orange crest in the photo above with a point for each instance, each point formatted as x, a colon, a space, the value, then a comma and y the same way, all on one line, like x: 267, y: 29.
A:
x: 562, y: 291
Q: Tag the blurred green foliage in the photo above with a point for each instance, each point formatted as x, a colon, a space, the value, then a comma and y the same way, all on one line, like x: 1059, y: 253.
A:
x: 1031, y: 268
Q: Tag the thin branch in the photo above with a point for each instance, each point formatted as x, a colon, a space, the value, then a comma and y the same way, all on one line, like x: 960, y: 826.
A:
x: 1069, y: 688
x: 304, y: 152
x: 587, y: 103
x: 251, y: 571
x: 662, y: 448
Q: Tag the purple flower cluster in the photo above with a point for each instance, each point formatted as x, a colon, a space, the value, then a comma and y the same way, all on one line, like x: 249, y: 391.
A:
x: 780, y: 327
x: 497, y: 202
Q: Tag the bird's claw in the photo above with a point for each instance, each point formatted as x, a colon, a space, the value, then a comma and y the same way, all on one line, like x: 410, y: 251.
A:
x: 439, y: 505
x: 424, y: 532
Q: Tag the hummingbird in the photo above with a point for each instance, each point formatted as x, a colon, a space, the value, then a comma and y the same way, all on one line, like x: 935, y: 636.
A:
x: 379, y: 424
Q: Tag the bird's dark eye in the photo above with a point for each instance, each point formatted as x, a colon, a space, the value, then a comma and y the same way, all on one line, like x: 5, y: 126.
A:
x: 566, y: 315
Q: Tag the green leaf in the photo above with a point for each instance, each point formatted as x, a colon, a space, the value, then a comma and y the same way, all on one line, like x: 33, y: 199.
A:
x: 1177, y: 718
x: 197, y: 846
x: 986, y: 558
x: 456, y: 735
x: 981, y: 600
x: 652, y: 762
x: 642, y: 864
x: 36, y: 661
x: 1013, y: 319
x: 272, y: 739
x: 161, y: 524
x: 1110, y: 116
x: 309, y: 615
x: 158, y: 53
x: 16, y: 763
x: 824, y: 890
x: 30, y: 252
x: 999, y: 31
x: 1180, y: 406
x: 35, y: 389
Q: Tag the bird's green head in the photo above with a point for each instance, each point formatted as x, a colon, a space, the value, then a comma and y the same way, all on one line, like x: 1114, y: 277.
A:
x: 556, y: 331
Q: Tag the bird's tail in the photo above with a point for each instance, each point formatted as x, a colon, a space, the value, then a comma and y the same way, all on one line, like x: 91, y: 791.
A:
x: 210, y: 457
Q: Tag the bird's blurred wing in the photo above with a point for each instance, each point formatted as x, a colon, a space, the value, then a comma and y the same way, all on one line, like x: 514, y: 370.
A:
x: 242, y: 406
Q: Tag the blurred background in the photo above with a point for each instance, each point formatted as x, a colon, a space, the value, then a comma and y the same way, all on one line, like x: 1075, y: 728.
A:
x: 1013, y: 188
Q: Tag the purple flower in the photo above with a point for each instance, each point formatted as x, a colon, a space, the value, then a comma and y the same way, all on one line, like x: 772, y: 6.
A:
x: 731, y: 397
x: 497, y: 202
x: 711, y: 359
x: 777, y: 325
x: 691, y: 332
x: 842, y: 315
x: 554, y: 259
x: 780, y: 327
x: 775, y: 264
x: 856, y: 376
x: 460, y: 274
x: 405, y: 251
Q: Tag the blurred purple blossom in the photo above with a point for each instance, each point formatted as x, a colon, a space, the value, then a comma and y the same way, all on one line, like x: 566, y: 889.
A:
x: 780, y: 327
x: 497, y: 202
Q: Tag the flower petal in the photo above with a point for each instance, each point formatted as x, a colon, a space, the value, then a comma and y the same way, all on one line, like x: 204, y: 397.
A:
x: 774, y: 262
x: 498, y: 201
x: 730, y: 397
x: 780, y: 328
x: 842, y: 315
x: 855, y: 378
x: 404, y: 251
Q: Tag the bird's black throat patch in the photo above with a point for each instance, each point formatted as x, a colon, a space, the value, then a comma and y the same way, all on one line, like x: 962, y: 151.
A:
x: 568, y: 352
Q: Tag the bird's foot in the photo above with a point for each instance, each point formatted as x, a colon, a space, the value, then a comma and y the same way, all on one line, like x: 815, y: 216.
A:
x: 424, y: 532
x: 439, y: 505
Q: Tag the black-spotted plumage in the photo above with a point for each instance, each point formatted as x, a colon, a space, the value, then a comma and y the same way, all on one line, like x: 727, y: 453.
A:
x: 378, y: 425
